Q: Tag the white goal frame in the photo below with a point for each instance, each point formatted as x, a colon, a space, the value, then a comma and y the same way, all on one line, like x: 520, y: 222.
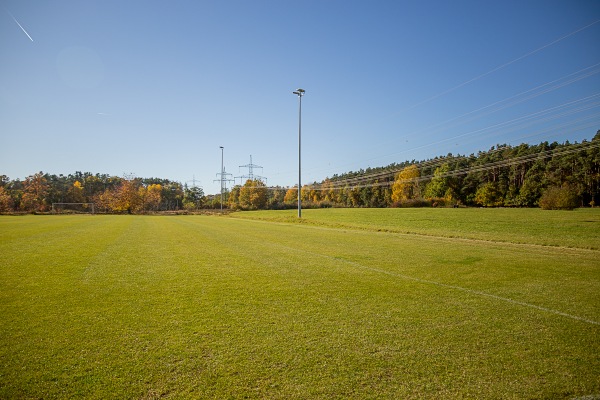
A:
x: 72, y: 204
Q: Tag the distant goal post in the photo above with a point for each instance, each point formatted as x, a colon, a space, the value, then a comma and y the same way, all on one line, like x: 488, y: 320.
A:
x: 73, y: 208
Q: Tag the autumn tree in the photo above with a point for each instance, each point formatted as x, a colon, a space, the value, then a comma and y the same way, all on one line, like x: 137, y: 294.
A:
x: 314, y: 195
x: 253, y: 195
x: 305, y: 193
x: 341, y: 196
x: 105, y: 200
x: 291, y: 195
x: 234, y: 197
x: 127, y: 196
x: 124, y: 197
x: 327, y: 192
x: 377, y: 196
x: 75, y: 193
x: 353, y: 197
x: 149, y: 197
x: 406, y: 185
x: 6, y: 201
x: 34, y: 193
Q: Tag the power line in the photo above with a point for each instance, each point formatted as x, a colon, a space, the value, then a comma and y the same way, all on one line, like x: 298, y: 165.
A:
x: 499, y: 67
x: 501, y: 105
x: 358, y: 182
x: 516, y: 99
x: 584, y: 104
x: 387, y: 174
x: 224, y: 178
x: 194, y: 180
x: 250, y: 175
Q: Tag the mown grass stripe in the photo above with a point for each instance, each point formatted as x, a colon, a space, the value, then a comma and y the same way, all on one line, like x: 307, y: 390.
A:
x: 429, y: 282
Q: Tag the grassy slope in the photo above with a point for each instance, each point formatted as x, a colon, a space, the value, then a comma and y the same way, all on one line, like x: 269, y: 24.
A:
x: 580, y: 228
x: 144, y: 307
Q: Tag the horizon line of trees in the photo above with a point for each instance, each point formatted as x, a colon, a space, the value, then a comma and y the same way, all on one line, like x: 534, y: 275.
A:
x: 110, y: 194
x: 548, y: 175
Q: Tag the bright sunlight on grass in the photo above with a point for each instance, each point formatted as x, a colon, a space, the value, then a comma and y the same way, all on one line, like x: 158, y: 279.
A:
x: 357, y: 304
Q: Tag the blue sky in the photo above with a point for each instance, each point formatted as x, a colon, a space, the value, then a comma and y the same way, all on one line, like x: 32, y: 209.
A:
x: 154, y: 88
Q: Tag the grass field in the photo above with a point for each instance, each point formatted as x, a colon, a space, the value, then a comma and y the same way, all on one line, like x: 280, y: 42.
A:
x: 356, y: 304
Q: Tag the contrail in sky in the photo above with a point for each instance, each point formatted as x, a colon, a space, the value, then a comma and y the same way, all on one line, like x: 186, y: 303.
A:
x: 23, y: 29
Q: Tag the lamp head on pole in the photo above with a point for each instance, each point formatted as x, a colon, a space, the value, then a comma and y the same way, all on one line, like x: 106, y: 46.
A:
x: 299, y: 92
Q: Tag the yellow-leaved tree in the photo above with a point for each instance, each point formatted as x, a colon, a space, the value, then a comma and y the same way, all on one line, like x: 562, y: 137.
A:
x: 406, y: 185
x: 6, y: 202
x: 291, y: 195
x: 76, y: 193
x: 253, y: 195
x: 34, y: 193
x: 152, y: 197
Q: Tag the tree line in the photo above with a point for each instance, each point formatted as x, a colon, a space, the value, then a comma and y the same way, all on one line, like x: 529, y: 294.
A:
x: 548, y: 175
x: 38, y: 192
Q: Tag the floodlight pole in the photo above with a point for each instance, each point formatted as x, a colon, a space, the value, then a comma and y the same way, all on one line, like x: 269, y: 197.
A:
x: 300, y: 93
x: 222, y: 177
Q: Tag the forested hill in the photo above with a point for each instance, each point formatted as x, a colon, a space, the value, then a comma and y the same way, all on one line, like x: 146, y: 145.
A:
x: 502, y: 176
x: 546, y: 174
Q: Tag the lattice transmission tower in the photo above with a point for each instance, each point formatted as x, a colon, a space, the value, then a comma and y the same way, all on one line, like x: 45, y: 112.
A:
x: 250, y: 174
x: 194, y: 180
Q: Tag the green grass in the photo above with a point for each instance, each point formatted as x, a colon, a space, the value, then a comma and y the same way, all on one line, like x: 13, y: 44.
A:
x: 221, y: 307
x: 580, y: 228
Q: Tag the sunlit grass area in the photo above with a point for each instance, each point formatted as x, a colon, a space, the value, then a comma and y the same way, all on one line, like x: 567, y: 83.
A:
x: 224, y: 307
x: 580, y: 228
